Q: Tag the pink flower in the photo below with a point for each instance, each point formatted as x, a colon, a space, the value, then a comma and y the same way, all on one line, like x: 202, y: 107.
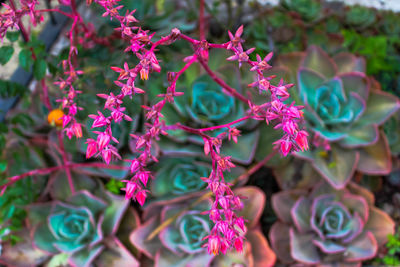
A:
x: 129, y: 189
x: 106, y: 154
x: 141, y: 197
x: 213, y: 245
x: 284, y: 146
x: 301, y: 140
x: 238, y: 244
x: 91, y: 148
x: 103, y: 140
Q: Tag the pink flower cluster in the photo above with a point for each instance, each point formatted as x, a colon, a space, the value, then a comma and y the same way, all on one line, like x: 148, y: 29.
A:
x: 11, y: 16
x: 287, y: 115
x: 229, y: 229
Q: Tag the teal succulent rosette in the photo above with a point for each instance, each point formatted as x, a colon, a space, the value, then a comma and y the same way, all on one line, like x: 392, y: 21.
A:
x: 80, y: 229
x: 204, y: 103
x: 180, y: 242
x: 178, y: 178
x: 344, y: 109
x: 328, y: 227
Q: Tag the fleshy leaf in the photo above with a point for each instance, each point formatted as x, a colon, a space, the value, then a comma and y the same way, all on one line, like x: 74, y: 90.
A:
x: 283, y: 202
x: 347, y: 62
x: 356, y: 204
x: 37, y: 212
x: 280, y: 241
x: 361, y: 191
x: 328, y: 246
x: 129, y: 222
x: 317, y: 60
x: 86, y: 199
x: 380, y: 106
x: 261, y: 252
x: 113, y: 213
x: 361, y: 136
x: 166, y: 258
x: 254, y: 203
x: 364, y: 247
x: 304, y: 253
x: 115, y: 254
x: 338, y: 167
x: 243, y: 151
x: 380, y: 225
x: 60, y: 188
x: 44, y: 239
x: 84, y: 257
x: 296, y: 174
x: 139, y: 238
x: 356, y: 82
x: 308, y: 82
x: 301, y: 214
x: 375, y: 159
x: 292, y: 61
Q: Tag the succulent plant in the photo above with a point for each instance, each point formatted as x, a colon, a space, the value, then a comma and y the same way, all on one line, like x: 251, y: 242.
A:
x: 205, y: 103
x: 177, y: 178
x: 309, y: 10
x: 328, y: 227
x: 80, y: 229
x: 360, y: 17
x: 179, y: 243
x: 343, y: 108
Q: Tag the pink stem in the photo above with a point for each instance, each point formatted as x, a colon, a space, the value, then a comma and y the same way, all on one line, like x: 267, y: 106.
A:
x: 20, y: 24
x: 46, y: 95
x: 45, y: 171
x: 258, y: 166
x: 56, y: 10
x: 65, y: 161
x: 218, y: 80
x: 224, y: 125
x: 201, y: 21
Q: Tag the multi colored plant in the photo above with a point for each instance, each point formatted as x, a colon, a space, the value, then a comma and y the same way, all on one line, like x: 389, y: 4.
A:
x: 185, y: 128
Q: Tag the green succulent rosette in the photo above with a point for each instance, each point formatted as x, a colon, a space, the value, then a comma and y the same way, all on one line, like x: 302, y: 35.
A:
x: 205, y: 104
x: 180, y: 242
x: 360, y: 17
x: 344, y: 108
x: 309, y: 10
x: 328, y: 227
x: 80, y: 229
x: 178, y: 178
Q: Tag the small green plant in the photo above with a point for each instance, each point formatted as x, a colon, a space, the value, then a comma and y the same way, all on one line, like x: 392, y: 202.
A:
x: 392, y: 257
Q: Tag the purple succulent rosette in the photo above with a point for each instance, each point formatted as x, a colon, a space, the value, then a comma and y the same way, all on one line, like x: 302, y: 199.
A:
x: 180, y: 242
x: 81, y: 229
x: 328, y: 227
x: 343, y: 109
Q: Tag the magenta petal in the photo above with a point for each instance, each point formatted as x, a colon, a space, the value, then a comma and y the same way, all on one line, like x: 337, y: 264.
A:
x: 318, y: 60
x: 362, y: 248
x: 302, y: 248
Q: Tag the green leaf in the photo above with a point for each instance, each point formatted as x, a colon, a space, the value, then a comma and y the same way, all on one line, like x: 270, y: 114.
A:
x: 12, y: 36
x: 39, y: 69
x: 25, y: 59
x: 6, y: 53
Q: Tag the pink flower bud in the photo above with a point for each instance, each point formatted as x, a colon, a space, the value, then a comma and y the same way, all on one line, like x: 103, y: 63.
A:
x: 91, y: 148
x: 106, y: 154
x: 141, y: 197
x: 103, y: 140
x: 213, y: 245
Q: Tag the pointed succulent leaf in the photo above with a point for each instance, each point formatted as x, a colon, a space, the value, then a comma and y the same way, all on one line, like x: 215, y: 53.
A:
x: 166, y: 258
x: 308, y: 82
x: 60, y: 188
x: 347, y: 62
x: 85, y: 256
x: 363, y: 192
x: 43, y: 239
x: 317, y: 60
x: 301, y: 214
x: 364, y: 247
x: 283, y: 202
x: 338, y: 167
x: 38, y: 211
x: 115, y: 254
x: 139, y: 238
x: 244, y: 150
x: 362, y: 136
x: 292, y: 61
x: 254, y: 202
x: 129, y: 222
x: 86, y: 199
x: 380, y: 225
x: 296, y: 174
x: 280, y: 241
x: 375, y: 159
x: 306, y: 254
x: 328, y: 246
x: 113, y: 213
x: 356, y: 82
x: 380, y: 106
x: 261, y: 252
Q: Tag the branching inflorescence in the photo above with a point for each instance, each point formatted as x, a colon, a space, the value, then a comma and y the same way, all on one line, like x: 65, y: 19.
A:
x: 229, y: 228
